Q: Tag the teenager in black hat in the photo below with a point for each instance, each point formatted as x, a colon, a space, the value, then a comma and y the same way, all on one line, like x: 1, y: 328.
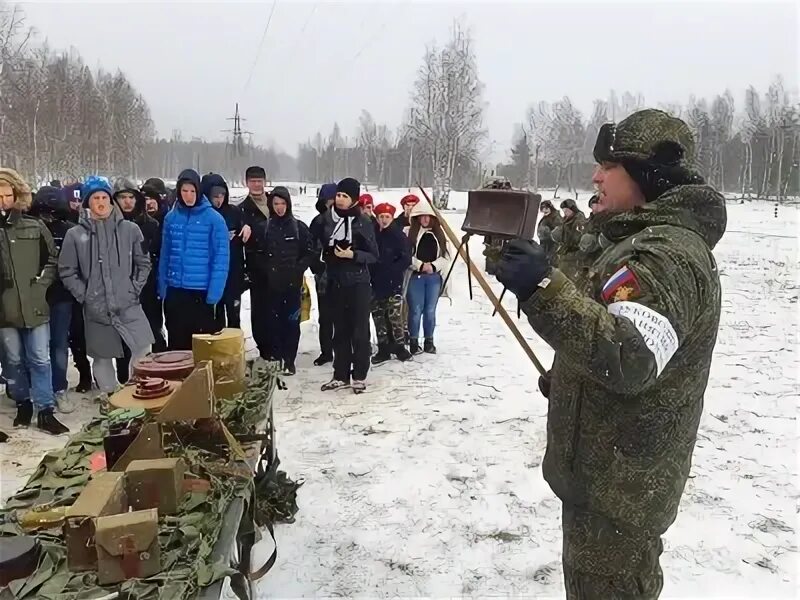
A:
x: 349, y: 250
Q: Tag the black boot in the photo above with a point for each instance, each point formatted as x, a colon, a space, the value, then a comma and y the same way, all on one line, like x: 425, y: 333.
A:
x: 401, y: 353
x: 429, y: 348
x: 414, y: 347
x: 47, y: 422
x: 289, y: 369
x: 24, y: 414
x: 3, y: 437
x: 382, y: 355
x: 84, y: 385
x: 323, y: 359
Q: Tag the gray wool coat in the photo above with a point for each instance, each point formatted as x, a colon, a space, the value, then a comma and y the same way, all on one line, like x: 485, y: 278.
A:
x: 104, y: 266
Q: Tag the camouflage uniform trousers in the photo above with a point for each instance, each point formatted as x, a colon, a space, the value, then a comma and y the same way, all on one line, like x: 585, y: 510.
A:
x: 387, y: 313
x: 602, y: 562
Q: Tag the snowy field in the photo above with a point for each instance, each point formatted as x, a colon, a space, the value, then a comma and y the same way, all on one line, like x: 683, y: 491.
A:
x: 430, y: 485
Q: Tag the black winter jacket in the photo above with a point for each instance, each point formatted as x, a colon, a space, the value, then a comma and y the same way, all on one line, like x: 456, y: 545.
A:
x: 346, y: 272
x: 395, y: 257
x: 234, y: 216
x: 280, y: 251
x: 58, y: 228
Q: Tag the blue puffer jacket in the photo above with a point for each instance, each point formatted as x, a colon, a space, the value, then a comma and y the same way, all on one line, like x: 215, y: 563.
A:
x: 194, y: 250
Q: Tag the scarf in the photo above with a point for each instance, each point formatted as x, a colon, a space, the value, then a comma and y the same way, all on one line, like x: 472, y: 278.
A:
x: 342, y: 225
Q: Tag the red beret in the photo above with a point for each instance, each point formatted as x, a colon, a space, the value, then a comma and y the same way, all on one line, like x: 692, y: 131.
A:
x: 365, y: 200
x: 384, y: 207
x: 411, y: 200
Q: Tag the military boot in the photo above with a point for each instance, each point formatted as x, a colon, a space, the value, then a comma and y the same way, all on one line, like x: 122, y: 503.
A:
x: 46, y: 421
x: 429, y: 348
x: 401, y: 353
x: 24, y: 414
x: 382, y: 355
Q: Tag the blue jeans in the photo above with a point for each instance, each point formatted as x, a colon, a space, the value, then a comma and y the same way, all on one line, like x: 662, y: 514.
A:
x: 60, y: 319
x: 28, y: 351
x: 423, y: 296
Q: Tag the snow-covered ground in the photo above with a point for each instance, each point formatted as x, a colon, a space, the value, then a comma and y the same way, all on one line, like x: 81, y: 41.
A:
x: 430, y: 483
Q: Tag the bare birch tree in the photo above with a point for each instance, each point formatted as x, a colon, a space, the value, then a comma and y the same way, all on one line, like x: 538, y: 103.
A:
x: 445, y: 124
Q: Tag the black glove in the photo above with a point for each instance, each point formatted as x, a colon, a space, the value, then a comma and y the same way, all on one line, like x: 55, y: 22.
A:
x: 544, y: 385
x: 522, y: 267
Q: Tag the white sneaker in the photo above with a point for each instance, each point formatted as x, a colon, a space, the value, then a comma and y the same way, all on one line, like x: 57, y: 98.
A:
x: 334, y: 384
x: 65, y: 403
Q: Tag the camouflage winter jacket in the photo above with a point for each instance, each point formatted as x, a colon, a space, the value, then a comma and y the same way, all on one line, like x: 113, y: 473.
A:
x: 632, y: 359
x: 568, y: 237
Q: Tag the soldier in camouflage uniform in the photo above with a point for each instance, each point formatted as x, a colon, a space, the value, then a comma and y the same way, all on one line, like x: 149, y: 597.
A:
x: 632, y: 354
x: 544, y: 230
x: 568, y: 237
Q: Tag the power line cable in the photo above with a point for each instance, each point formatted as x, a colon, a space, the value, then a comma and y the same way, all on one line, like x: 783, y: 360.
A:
x: 260, y: 46
x: 308, y: 19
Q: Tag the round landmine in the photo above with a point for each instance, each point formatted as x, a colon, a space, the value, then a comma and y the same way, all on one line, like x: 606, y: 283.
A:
x: 150, y: 388
x: 147, y: 392
x: 174, y: 366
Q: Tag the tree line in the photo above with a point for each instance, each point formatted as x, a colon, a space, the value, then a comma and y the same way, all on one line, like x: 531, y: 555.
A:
x: 60, y: 119
x: 751, y: 150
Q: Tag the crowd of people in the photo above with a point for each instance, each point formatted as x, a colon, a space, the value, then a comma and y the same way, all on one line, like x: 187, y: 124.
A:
x: 101, y: 271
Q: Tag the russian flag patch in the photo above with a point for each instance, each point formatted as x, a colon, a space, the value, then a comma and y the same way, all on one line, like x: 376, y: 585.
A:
x: 621, y: 286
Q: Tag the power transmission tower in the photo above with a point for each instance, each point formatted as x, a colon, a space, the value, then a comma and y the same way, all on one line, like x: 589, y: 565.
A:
x: 236, y: 147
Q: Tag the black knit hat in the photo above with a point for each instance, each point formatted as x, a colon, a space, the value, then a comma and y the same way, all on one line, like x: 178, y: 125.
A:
x: 255, y: 173
x: 351, y: 187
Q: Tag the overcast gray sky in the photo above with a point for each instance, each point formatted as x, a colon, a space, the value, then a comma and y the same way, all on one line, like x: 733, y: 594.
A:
x: 324, y: 61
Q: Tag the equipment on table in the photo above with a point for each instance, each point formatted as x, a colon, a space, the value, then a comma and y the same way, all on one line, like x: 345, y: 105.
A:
x: 19, y: 557
x: 174, y: 366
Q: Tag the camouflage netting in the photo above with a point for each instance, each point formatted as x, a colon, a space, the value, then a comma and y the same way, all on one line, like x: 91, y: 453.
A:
x: 187, y: 538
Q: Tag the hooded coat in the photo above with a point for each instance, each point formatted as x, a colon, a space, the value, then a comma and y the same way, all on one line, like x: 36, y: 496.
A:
x: 51, y: 207
x: 317, y: 230
x: 195, y: 253
x: 427, y: 243
x: 28, y: 258
x: 394, y: 258
x: 104, y: 265
x: 235, y: 285
x: 282, y: 249
x: 632, y: 357
x: 151, y: 229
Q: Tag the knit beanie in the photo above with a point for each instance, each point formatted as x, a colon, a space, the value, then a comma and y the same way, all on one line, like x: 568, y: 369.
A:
x: 94, y: 183
x: 351, y: 187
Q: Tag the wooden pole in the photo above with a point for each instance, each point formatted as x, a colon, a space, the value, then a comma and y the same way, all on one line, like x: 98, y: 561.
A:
x: 487, y: 288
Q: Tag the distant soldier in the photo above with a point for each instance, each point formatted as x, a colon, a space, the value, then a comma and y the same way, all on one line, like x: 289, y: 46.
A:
x: 632, y: 354
x: 544, y: 230
x: 568, y: 237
